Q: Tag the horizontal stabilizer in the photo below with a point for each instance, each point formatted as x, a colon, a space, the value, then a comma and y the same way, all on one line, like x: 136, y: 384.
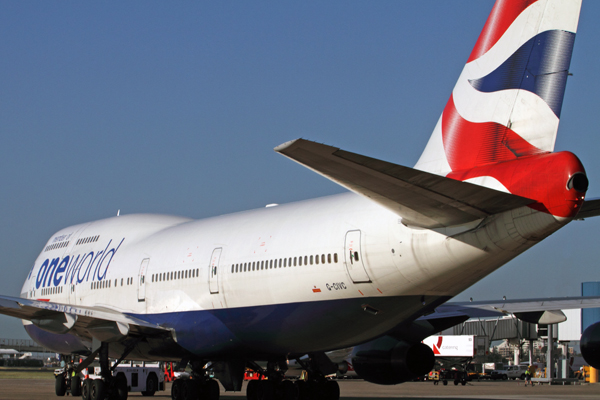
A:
x: 590, y: 208
x: 420, y: 198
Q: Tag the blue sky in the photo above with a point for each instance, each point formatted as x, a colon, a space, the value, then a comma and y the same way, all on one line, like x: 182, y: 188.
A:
x: 175, y: 108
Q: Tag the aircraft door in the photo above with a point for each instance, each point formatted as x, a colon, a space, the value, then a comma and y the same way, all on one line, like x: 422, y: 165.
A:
x: 354, y: 260
x: 213, y: 272
x: 142, y: 279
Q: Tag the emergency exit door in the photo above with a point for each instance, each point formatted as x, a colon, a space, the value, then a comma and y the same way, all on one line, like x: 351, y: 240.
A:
x: 354, y: 258
x: 142, y: 279
x: 213, y: 271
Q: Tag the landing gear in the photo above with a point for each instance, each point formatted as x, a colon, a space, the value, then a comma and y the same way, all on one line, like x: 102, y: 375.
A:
x: 107, y: 386
x: 67, y: 381
x: 199, y: 387
x: 319, y: 389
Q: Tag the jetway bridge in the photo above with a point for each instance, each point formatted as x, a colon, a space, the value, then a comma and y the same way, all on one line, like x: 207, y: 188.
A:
x: 496, y: 329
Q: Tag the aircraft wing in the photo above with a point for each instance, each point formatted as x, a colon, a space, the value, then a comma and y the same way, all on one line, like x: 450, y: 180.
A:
x: 420, y: 198
x: 590, y: 208
x: 91, y: 322
x: 543, y: 311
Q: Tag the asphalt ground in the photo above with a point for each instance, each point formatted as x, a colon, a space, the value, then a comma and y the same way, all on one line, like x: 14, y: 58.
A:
x: 43, y: 389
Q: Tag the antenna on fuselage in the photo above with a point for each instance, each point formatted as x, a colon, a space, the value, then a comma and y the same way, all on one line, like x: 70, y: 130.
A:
x: 118, y: 212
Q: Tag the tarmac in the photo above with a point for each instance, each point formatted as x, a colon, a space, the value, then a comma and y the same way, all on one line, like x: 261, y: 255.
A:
x: 38, y: 389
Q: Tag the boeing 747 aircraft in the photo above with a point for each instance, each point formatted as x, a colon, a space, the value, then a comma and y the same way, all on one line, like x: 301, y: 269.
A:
x: 368, y: 269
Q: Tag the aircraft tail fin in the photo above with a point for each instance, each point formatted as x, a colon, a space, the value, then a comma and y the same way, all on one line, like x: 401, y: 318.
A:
x: 508, y: 98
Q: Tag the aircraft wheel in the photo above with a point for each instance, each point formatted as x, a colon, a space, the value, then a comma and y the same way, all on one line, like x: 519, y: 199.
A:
x: 98, y: 390
x: 86, y: 389
x: 75, y: 386
x: 252, y: 390
x: 289, y: 391
x: 176, y: 390
x: 455, y: 383
x: 463, y: 383
x: 120, y: 387
x: 60, y: 386
x: 445, y: 382
x: 212, y: 390
x: 302, y: 390
x: 266, y: 390
x: 330, y: 390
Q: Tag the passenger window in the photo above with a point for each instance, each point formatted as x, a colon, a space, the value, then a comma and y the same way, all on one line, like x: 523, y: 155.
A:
x: 284, y: 262
x: 300, y: 261
x: 254, y: 266
x: 322, y: 258
x: 197, y: 271
x: 356, y: 256
x: 295, y: 258
x: 329, y: 258
x: 262, y: 265
x: 121, y: 281
x: 335, y: 258
x: 271, y: 264
x: 317, y: 259
x: 305, y: 260
x: 311, y: 260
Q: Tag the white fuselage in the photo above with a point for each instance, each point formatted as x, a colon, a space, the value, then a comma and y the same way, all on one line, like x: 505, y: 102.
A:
x: 264, y: 270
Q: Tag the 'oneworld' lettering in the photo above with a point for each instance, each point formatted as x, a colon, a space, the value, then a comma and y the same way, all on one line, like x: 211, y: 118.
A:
x: 76, y: 268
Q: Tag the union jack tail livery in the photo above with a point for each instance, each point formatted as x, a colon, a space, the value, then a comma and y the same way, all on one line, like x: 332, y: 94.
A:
x: 506, y: 104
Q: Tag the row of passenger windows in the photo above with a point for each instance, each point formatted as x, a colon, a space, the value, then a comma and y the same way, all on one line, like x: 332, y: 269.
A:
x: 107, y: 284
x: 284, y: 263
x: 59, y: 245
x: 52, y: 290
x: 169, y: 276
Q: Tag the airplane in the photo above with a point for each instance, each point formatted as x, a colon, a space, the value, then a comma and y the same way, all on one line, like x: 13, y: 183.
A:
x: 369, y: 269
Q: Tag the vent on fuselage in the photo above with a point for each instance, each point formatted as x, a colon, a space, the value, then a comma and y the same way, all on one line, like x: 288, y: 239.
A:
x: 89, y: 239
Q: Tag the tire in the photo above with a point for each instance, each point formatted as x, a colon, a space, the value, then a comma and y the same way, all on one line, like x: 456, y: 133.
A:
x: 75, y: 386
x: 151, y: 385
x: 330, y: 390
x: 189, y: 389
x: 463, y: 383
x: 86, y: 389
x: 98, y: 390
x: 266, y: 390
x: 120, y: 388
x: 522, y: 377
x: 456, y: 382
x: 252, y: 390
x: 60, y: 385
x: 289, y: 390
x: 504, y: 377
x: 212, y: 390
x: 302, y: 390
x: 176, y: 389
x: 445, y: 382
